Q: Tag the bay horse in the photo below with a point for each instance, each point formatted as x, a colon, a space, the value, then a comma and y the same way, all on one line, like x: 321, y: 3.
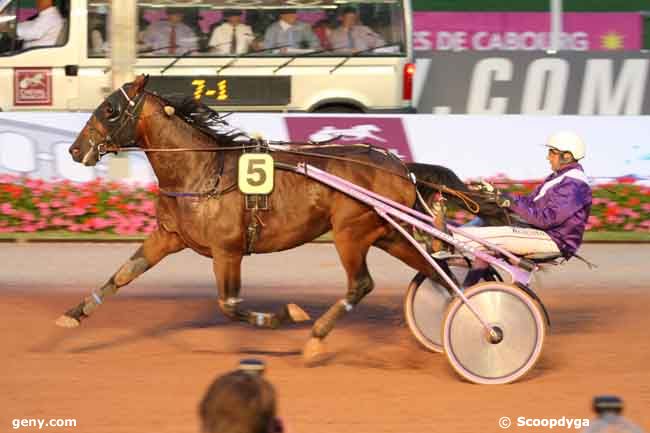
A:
x: 200, y: 207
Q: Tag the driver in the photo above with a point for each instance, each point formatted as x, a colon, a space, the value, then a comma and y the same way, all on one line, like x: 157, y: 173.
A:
x: 44, y: 29
x: 556, y: 212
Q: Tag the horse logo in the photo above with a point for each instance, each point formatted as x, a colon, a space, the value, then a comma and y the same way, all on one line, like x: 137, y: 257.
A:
x: 357, y: 133
x: 36, y: 80
x: 32, y: 86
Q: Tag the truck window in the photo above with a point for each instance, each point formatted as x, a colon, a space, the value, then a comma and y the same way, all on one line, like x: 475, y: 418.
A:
x: 329, y: 28
x: 26, y: 25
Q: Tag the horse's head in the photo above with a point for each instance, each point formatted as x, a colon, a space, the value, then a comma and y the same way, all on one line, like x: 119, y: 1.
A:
x: 113, y: 125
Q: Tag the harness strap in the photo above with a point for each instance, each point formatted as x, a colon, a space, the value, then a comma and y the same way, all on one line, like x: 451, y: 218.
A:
x: 587, y: 262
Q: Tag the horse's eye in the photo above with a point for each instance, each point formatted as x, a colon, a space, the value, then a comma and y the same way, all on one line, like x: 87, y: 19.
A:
x: 111, y: 112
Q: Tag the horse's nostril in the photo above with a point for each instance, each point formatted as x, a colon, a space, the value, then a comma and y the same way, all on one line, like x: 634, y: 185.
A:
x: 74, y: 152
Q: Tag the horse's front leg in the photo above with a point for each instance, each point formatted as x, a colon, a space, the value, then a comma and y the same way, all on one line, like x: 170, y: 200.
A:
x: 159, y: 244
x: 227, y: 271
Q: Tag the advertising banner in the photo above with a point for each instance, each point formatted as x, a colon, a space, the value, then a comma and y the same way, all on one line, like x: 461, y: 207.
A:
x: 387, y: 132
x: 36, y: 144
x: 533, y: 83
x: 528, y: 31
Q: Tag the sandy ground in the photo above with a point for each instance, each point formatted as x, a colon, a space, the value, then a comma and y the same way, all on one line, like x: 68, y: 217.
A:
x: 143, y: 361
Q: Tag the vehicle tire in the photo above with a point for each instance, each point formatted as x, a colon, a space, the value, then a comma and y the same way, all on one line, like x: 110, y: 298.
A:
x: 519, y: 321
x: 338, y: 109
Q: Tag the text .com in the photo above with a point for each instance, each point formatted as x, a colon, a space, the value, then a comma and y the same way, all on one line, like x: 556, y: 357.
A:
x: 43, y: 423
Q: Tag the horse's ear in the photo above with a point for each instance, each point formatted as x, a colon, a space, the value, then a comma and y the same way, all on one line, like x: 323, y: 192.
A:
x: 140, y: 83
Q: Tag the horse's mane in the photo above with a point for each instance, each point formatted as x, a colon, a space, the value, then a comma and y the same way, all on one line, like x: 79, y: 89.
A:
x: 203, y: 118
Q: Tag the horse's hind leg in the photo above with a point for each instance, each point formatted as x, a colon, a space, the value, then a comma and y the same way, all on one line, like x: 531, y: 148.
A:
x: 352, y: 246
x: 399, y: 247
x: 159, y: 244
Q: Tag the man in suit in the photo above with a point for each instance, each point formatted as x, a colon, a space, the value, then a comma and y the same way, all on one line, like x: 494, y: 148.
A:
x: 232, y: 36
x: 351, y: 36
x: 171, y: 36
x: 291, y: 34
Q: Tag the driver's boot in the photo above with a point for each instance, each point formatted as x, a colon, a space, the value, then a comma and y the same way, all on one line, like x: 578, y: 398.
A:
x: 477, y: 272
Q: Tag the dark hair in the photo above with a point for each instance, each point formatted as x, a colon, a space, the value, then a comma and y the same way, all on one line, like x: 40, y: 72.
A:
x: 348, y: 10
x: 170, y: 10
x: 238, y: 402
x: 227, y: 13
x: 288, y: 11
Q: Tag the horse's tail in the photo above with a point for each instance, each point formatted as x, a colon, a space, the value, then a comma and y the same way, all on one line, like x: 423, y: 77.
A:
x: 438, y: 177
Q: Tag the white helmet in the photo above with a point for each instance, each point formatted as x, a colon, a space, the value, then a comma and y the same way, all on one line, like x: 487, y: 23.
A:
x: 567, y: 141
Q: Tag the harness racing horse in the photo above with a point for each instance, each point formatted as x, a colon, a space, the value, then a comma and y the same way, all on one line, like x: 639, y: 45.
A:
x: 201, y: 208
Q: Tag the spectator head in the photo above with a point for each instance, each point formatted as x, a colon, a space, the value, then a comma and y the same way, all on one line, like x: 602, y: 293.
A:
x: 289, y: 16
x: 233, y: 16
x: 174, y: 15
x: 240, y: 402
x: 41, y: 5
x: 348, y: 16
x: 322, y: 24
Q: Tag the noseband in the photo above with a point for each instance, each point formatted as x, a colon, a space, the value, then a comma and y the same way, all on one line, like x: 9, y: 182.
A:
x: 121, y: 129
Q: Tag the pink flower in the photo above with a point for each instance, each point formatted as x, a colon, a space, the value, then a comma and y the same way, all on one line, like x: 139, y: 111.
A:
x: 7, y: 209
x: 99, y: 223
x: 58, y: 221
x: 630, y: 213
x: 75, y: 211
x: 26, y: 216
x: 594, y: 221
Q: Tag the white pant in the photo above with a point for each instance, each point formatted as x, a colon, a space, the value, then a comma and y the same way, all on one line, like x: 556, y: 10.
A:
x: 521, y: 241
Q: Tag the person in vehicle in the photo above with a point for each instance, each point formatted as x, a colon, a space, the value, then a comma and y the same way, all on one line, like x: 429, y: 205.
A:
x: 322, y: 30
x: 171, y: 36
x: 232, y: 36
x: 290, y: 33
x: 351, y: 36
x: 43, y: 30
x: 555, y: 213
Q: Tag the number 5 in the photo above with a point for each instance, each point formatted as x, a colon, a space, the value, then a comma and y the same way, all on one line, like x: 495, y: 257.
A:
x: 255, y: 173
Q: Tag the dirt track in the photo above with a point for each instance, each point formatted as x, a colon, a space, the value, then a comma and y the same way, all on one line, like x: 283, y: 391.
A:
x: 142, y: 362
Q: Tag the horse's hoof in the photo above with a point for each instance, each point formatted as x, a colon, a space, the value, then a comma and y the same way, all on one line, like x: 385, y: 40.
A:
x: 297, y: 314
x: 67, y: 322
x: 314, y: 353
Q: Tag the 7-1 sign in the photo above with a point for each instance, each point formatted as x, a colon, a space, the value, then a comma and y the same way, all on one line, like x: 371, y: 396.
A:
x: 255, y: 173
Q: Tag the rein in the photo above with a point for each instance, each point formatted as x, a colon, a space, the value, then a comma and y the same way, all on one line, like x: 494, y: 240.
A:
x: 132, y: 113
x: 469, y: 203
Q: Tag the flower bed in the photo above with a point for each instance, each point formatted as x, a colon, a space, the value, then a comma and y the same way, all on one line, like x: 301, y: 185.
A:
x: 31, y: 205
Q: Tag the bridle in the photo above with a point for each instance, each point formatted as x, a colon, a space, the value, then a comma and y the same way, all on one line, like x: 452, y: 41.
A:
x: 120, y: 128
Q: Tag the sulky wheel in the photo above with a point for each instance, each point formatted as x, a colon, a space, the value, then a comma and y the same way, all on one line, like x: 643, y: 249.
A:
x: 426, y: 303
x: 515, y: 345
x: 424, y: 308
